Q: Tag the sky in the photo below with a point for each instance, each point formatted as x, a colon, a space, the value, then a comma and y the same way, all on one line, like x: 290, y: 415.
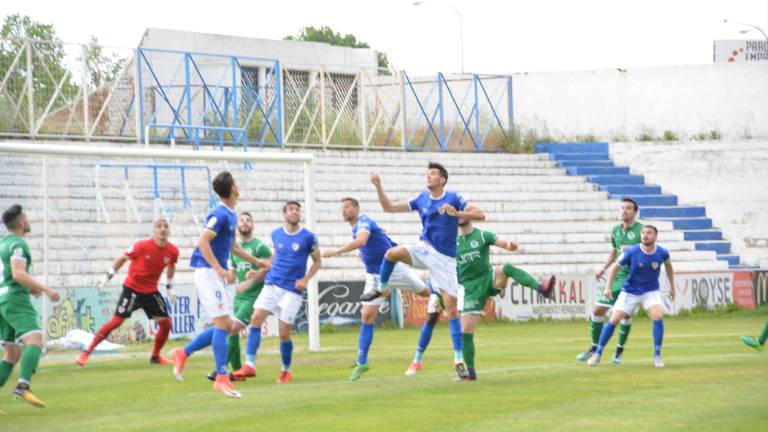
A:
x: 499, y: 36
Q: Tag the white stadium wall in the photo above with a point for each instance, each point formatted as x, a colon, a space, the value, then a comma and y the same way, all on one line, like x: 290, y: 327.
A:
x: 619, y: 105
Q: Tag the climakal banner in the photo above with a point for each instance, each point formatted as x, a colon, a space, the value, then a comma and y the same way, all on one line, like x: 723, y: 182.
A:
x: 574, y: 298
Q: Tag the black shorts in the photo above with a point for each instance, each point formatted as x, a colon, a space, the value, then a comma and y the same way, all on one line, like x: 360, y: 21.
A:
x: 153, y: 304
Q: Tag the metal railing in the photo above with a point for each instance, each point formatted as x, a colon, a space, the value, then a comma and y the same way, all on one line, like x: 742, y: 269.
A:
x: 83, y: 92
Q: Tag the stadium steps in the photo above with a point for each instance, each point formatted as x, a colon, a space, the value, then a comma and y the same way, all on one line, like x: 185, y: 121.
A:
x: 654, y: 205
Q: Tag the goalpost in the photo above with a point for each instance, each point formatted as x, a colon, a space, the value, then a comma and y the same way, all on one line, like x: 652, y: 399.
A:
x: 73, y: 161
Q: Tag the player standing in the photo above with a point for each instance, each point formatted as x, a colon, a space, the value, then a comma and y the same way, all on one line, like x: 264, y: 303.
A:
x: 623, y: 235
x: 643, y: 262
x: 213, y: 281
x: 148, y: 258
x: 18, y: 317
x: 373, y: 243
x: 285, y: 285
x: 439, y: 211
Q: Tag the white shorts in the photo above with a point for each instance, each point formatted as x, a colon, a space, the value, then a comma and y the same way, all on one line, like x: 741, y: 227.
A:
x: 442, y: 268
x: 402, y: 277
x: 215, y: 294
x: 280, y: 302
x: 628, y: 303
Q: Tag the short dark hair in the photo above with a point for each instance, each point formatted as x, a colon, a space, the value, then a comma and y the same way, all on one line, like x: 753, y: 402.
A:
x: 247, y: 214
x: 655, y: 231
x: 630, y: 200
x: 222, y: 184
x: 352, y: 200
x: 287, y: 203
x: 11, y: 216
x: 439, y: 167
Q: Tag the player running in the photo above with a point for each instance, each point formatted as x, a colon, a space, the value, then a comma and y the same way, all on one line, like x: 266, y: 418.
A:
x: 757, y: 342
x: 213, y: 281
x: 285, y: 285
x: 373, y: 243
x: 643, y: 262
x: 18, y: 317
x: 439, y: 211
x: 623, y: 235
x: 148, y: 259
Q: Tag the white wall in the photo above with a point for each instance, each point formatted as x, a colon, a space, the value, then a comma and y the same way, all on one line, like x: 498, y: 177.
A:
x: 730, y: 98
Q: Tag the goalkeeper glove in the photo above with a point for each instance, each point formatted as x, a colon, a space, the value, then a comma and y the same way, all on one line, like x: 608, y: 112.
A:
x: 107, y: 277
x: 170, y: 292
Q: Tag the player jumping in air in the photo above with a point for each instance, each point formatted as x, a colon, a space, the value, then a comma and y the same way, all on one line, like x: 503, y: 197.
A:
x: 439, y: 211
x: 148, y: 258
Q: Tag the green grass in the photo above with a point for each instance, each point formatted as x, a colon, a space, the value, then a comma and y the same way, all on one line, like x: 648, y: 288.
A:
x: 528, y: 380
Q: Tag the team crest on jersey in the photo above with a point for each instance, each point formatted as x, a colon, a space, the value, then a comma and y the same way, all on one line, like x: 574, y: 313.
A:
x: 631, y: 235
x: 166, y: 260
x: 655, y: 265
x: 295, y: 247
x: 641, y: 265
x: 474, y: 244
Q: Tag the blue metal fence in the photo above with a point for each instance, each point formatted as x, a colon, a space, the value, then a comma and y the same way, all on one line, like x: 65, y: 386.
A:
x: 209, y: 99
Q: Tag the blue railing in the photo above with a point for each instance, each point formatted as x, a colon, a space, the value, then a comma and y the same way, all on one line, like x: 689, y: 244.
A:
x: 156, y: 188
x: 435, y: 116
x: 209, y: 99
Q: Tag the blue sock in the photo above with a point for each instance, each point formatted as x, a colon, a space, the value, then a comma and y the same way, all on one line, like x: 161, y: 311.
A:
x: 424, y: 337
x: 219, y: 346
x: 252, y: 344
x: 454, y: 326
x: 658, y: 336
x: 386, y: 271
x: 200, y: 341
x: 364, y: 343
x: 286, y: 349
x: 605, y: 336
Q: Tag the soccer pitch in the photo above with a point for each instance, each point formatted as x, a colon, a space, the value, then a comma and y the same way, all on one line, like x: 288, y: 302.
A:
x: 528, y: 380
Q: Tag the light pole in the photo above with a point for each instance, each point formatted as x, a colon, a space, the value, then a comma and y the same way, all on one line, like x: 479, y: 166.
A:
x: 725, y: 21
x: 461, y: 30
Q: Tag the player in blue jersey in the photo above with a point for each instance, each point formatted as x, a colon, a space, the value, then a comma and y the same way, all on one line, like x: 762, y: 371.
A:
x: 373, y: 243
x: 643, y: 261
x: 439, y: 211
x: 285, y: 285
x: 214, y: 283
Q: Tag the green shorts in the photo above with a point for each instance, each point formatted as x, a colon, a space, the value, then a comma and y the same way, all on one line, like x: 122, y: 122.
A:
x: 473, y: 295
x: 615, y: 291
x: 244, y: 308
x: 17, y: 320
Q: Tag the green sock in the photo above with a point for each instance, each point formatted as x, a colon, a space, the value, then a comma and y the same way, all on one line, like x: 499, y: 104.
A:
x: 596, y: 328
x: 5, y: 371
x: 624, y: 333
x: 30, y: 357
x: 522, y: 277
x: 469, y: 349
x: 764, y: 334
x: 233, y: 352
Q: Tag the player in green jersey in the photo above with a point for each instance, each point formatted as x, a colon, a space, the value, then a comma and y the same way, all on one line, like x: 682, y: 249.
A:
x: 250, y: 281
x: 623, y: 235
x: 18, y: 318
x: 757, y: 342
x: 479, y: 283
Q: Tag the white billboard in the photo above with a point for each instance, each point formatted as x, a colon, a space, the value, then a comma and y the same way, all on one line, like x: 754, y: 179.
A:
x: 740, y: 51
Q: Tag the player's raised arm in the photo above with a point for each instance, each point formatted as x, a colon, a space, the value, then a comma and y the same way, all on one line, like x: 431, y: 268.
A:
x: 360, y: 241
x: 20, y: 275
x: 671, y: 276
x: 470, y: 212
x: 115, y: 268
x: 507, y: 245
x: 386, y: 204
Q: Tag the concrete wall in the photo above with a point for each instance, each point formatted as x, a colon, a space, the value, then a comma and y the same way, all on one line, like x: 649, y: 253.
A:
x: 292, y: 54
x: 619, y: 105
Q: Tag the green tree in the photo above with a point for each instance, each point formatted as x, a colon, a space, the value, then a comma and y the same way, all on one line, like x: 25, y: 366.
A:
x: 48, y: 64
x: 103, y: 68
x: 328, y: 35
